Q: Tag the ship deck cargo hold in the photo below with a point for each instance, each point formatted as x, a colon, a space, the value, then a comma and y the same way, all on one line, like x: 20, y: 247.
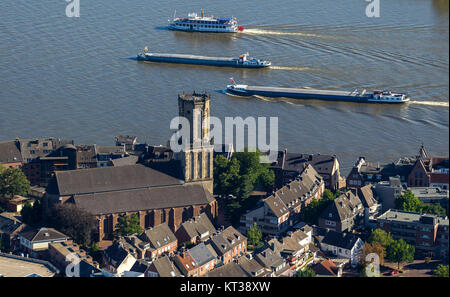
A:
x: 328, y: 95
x: 243, y: 61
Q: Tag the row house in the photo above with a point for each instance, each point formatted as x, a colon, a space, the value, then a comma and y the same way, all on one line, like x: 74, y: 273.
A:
x: 197, y: 261
x: 161, y: 239
x: 195, y: 230
x: 343, y: 213
x: 281, y: 210
x: 428, y: 233
x: 229, y: 244
x: 294, y: 248
x: 118, y: 258
x: 289, y: 165
x: 162, y: 267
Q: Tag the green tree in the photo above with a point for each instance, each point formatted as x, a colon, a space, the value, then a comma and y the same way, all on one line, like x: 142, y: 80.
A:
x: 13, y: 182
x: 399, y: 252
x: 79, y: 224
x: 254, y: 235
x: 32, y: 214
x: 408, y: 202
x: 380, y: 236
x: 128, y: 225
x: 310, y: 214
x: 307, y: 272
x: 441, y: 271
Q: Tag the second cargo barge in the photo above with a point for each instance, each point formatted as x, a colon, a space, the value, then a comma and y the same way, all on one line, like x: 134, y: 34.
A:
x: 243, y: 61
x: 297, y: 93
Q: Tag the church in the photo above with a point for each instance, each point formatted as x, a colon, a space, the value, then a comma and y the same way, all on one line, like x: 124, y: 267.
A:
x: 154, y: 195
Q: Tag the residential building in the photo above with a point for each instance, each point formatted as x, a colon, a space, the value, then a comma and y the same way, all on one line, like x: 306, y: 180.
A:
x: 231, y: 269
x: 289, y: 165
x: 35, y: 241
x: 281, y: 210
x: 252, y: 267
x: 197, y: 261
x: 343, y: 245
x: 229, y: 244
x: 162, y: 267
x: 10, y: 155
x: 428, y: 233
x: 196, y: 229
x: 105, y: 154
x: 117, y: 259
x: 272, y: 261
x: 343, y: 213
x: 161, y: 239
x: 64, y: 253
x: 388, y: 191
x: 327, y: 268
x: 372, y: 208
x: 10, y: 227
x: 126, y: 141
x: 86, y: 156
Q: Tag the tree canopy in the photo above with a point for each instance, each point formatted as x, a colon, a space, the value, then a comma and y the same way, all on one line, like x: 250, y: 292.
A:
x: 307, y: 272
x: 13, y: 182
x: 310, y: 214
x: 32, y: 214
x: 242, y: 174
x: 128, y: 225
x: 441, y: 271
x: 399, y: 252
x: 254, y: 236
x: 380, y: 236
x: 409, y: 202
x: 80, y: 225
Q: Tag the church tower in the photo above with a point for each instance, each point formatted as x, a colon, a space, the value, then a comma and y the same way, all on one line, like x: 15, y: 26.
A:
x: 197, y: 159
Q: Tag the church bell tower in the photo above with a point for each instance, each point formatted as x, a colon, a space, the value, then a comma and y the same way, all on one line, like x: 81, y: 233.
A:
x: 197, y: 158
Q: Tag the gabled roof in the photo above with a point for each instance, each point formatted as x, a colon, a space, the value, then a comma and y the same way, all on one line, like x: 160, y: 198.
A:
x: 296, y: 162
x: 270, y: 258
x: 340, y: 239
x: 326, y: 267
x: 165, y: 267
x: 366, y: 196
x: 9, y: 152
x: 106, y: 179
x: 228, y: 270
x: 117, y: 252
x: 201, y: 254
x: 227, y: 240
x: 160, y: 236
x: 144, y: 199
x: 251, y: 266
x: 42, y: 235
x: 198, y: 226
x: 276, y: 205
x: 346, y: 206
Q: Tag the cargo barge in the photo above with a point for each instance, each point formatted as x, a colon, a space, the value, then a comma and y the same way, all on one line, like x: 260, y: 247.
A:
x: 327, y: 95
x: 243, y: 61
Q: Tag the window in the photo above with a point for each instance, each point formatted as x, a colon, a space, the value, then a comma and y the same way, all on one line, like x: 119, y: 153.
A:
x: 163, y: 216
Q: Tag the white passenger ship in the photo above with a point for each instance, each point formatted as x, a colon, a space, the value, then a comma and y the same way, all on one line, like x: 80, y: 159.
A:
x: 195, y: 23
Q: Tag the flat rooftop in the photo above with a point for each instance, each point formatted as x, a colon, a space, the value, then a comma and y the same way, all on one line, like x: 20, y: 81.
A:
x: 412, y: 217
x: 16, y: 267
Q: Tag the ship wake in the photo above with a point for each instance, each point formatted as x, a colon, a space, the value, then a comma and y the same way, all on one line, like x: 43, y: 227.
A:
x: 272, y: 32
x: 292, y: 68
x: 431, y: 103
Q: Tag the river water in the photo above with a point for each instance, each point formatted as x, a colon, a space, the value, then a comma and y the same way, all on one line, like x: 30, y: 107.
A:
x: 73, y: 77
